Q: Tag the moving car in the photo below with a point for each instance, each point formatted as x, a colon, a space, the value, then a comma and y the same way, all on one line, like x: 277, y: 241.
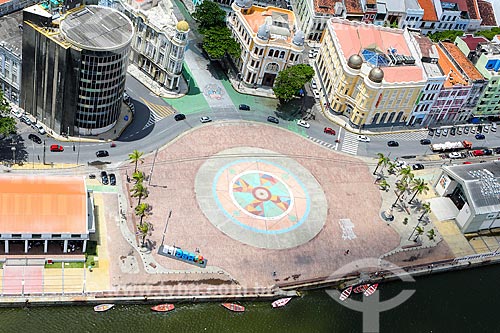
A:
x: 418, y: 166
x: 316, y: 94
x: 102, y: 153
x: 244, y: 107
x: 313, y: 84
x: 205, y: 120
x: 56, y: 148
x: 329, y: 130
x: 454, y: 155
x: 303, y: 123
x: 179, y: 117
x: 479, y: 136
x: 363, y: 138
x: 112, y: 179
x: 35, y: 138
x: 425, y: 142
x: 104, y: 178
x: 478, y: 152
x: 393, y: 144
x: 272, y: 119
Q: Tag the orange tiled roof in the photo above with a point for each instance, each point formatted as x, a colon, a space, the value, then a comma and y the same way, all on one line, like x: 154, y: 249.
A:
x: 353, y: 7
x: 257, y: 17
x: 487, y: 13
x: 325, y: 6
x: 465, y: 64
x: 43, y: 204
x: 449, y: 69
x: 473, y: 9
x: 371, y: 2
x: 429, y: 10
x: 3, y: 1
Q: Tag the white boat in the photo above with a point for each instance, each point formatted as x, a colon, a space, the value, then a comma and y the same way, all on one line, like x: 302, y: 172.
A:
x: 345, y: 294
x: 281, y: 302
x: 371, y: 289
x: 103, y: 307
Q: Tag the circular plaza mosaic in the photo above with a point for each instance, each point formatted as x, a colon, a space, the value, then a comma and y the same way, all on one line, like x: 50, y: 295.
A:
x: 261, y: 198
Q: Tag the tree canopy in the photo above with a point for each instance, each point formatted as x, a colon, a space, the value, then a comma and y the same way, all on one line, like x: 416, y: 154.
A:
x: 489, y: 34
x: 208, y: 14
x: 291, y: 80
x: 7, y: 123
x: 444, y: 35
x: 217, y: 41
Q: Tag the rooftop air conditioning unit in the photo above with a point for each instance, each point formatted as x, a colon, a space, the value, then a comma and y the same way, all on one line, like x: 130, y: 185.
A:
x: 339, y: 8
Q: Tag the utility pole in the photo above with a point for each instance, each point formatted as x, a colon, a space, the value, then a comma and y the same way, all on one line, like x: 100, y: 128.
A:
x: 152, y: 166
x: 43, y: 152
x: 33, y: 154
x: 78, y: 153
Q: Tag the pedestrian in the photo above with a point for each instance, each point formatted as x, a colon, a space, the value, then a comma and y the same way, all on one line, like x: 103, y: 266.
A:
x: 346, y: 252
x: 274, y: 273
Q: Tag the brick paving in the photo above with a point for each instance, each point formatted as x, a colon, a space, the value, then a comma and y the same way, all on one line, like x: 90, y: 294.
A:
x: 346, y: 182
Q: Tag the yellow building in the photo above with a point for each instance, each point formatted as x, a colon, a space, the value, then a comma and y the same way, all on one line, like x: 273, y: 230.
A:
x: 269, y: 41
x: 370, y: 74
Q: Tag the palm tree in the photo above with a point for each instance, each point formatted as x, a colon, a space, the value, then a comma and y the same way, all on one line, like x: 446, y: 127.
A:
x: 427, y: 209
x: 431, y: 234
x: 384, y: 185
x: 419, y: 231
x: 419, y: 186
x: 402, y: 186
x: 406, y: 173
x: 141, y: 210
x: 136, y: 157
x: 138, y: 176
x: 382, y: 161
x: 144, y: 230
x: 139, y: 191
x: 392, y: 167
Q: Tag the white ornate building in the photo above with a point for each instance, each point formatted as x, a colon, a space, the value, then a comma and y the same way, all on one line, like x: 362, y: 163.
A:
x: 269, y: 40
x: 159, y: 39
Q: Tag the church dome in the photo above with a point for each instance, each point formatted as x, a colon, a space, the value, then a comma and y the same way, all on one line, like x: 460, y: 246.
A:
x: 298, y: 38
x: 263, y: 32
x: 376, y: 75
x: 182, y: 26
x: 355, y: 61
x: 244, y: 4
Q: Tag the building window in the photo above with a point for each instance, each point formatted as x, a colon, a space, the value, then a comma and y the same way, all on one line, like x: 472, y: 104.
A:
x: 76, y: 236
x: 36, y: 236
x: 16, y: 235
x: 56, y: 235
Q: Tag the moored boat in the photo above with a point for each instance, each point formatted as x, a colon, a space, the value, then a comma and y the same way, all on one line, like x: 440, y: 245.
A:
x: 371, y: 289
x: 163, y: 307
x: 103, y: 307
x: 345, y: 294
x: 234, y: 307
x: 281, y: 302
x: 360, y: 289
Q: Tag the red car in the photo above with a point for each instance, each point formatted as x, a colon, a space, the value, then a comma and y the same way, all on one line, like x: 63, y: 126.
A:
x: 467, y: 162
x: 478, y: 152
x: 56, y: 148
x: 329, y: 130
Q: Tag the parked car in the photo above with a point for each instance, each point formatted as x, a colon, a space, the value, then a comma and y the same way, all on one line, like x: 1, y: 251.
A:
x: 425, y: 142
x: 104, y: 178
x: 205, y: 119
x: 102, y: 153
x: 437, y: 132
x: 303, y: 123
x: 26, y: 120
x: 316, y: 94
x: 272, y: 119
x: 486, y: 128
x: 35, y: 138
x: 313, y: 84
x: 496, y: 150
x: 329, y: 130
x: 466, y: 130
x: 479, y: 136
x: 467, y: 162
x: 472, y: 130
x: 488, y: 152
x: 244, y: 107
x: 453, y: 131
x: 39, y: 128
x: 56, y: 148
x: 393, y: 144
x: 363, y: 138
x: 454, y: 155
x: 459, y: 131
x: 478, y: 152
x: 431, y: 132
x: 112, y: 179
x: 493, y: 127
x: 418, y: 166
x: 445, y: 132
x: 179, y: 117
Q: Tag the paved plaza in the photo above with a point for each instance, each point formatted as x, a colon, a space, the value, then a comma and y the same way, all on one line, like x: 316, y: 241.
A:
x: 261, y: 204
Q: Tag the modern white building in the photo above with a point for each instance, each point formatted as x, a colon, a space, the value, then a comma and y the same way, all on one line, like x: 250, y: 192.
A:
x: 471, y: 193
x: 159, y: 42
x: 269, y: 39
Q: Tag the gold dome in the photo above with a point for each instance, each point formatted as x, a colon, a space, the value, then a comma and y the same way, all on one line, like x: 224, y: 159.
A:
x: 182, y: 26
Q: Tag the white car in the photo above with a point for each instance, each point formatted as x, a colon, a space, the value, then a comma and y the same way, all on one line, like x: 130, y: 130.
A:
x: 316, y: 94
x: 205, y: 119
x: 363, y: 138
x: 454, y: 155
x: 303, y: 123
x: 314, y: 85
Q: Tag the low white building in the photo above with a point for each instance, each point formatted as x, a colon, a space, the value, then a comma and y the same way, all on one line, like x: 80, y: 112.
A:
x: 269, y: 39
x: 11, y: 56
x: 473, y: 191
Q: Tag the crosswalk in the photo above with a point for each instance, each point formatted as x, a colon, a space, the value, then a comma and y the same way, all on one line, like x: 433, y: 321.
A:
x: 350, y: 143
x: 157, y: 112
x: 409, y: 136
x: 321, y: 142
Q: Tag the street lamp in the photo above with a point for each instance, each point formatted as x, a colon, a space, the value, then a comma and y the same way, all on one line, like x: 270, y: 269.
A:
x: 13, y: 154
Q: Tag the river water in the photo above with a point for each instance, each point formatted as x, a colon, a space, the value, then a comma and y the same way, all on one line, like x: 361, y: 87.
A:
x: 463, y: 301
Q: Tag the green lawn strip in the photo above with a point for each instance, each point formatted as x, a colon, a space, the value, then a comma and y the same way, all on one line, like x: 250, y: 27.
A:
x: 66, y: 265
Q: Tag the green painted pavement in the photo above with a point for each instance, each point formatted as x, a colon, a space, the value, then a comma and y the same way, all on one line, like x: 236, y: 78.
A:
x: 103, y: 188
x: 194, y: 101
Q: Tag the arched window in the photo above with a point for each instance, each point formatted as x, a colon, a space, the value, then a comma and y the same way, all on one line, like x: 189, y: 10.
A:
x: 272, y: 67
x: 276, y: 53
x: 270, y: 54
x: 282, y: 55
